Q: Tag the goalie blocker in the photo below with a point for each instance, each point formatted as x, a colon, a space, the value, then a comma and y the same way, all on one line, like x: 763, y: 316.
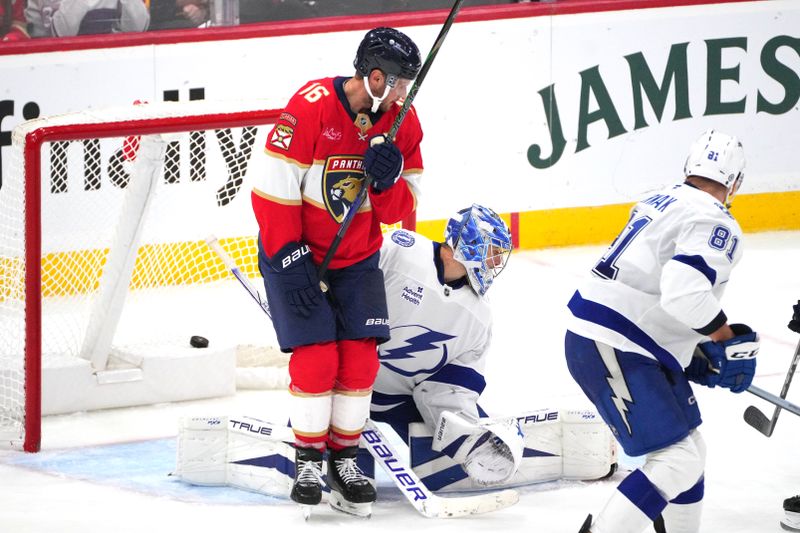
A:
x: 249, y: 454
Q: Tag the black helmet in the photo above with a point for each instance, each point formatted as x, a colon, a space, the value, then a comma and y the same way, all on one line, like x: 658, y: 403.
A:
x: 389, y: 50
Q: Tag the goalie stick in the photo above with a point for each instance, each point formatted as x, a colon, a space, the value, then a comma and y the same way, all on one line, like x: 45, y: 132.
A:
x: 752, y: 415
x: 426, y: 502
x: 415, y: 491
x: 365, y: 184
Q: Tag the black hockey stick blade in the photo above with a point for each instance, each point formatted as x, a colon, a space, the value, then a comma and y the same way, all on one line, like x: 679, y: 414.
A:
x: 759, y: 420
x: 756, y: 418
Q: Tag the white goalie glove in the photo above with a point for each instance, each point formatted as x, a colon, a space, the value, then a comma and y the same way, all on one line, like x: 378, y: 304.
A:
x: 489, y: 450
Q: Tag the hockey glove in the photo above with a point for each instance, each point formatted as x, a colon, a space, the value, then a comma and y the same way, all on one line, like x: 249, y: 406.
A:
x: 730, y: 364
x: 489, y: 450
x: 794, y: 323
x: 383, y: 162
x: 296, y: 276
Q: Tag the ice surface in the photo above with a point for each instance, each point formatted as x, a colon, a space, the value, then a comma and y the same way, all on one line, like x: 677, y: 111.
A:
x: 107, y: 471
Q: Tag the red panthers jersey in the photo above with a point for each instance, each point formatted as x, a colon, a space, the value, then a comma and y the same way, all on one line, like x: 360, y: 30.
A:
x: 315, y: 169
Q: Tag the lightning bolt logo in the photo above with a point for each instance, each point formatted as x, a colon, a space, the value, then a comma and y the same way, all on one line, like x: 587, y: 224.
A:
x: 422, y: 347
x: 621, y: 395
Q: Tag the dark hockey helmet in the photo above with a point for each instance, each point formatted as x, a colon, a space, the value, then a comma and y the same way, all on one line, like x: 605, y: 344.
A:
x: 391, y: 51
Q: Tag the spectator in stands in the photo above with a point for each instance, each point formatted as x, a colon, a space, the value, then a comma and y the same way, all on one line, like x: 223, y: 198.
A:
x: 176, y: 14
x: 59, y: 18
x: 12, y: 20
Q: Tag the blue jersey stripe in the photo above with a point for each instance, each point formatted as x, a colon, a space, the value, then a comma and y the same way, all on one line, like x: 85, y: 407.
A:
x: 461, y: 376
x: 698, y: 263
x: 605, y: 316
x: 643, y: 494
x: 380, y: 398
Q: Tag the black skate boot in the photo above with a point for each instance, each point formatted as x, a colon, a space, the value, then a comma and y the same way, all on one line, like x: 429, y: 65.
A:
x: 351, y: 491
x: 791, y: 509
x: 307, y: 488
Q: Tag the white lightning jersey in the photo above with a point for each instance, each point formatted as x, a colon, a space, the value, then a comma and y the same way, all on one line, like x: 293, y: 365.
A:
x: 440, y: 333
x: 657, y: 288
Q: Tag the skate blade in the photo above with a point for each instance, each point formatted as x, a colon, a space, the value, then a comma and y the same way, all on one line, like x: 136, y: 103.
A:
x: 306, y: 510
x: 791, y: 522
x: 361, y: 510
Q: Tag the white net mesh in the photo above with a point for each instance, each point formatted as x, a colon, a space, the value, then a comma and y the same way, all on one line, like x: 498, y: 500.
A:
x: 105, y: 225
x: 12, y: 303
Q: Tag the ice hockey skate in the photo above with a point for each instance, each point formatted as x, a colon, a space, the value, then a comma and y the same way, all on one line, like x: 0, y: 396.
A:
x: 307, y: 488
x: 351, y: 491
x: 791, y: 507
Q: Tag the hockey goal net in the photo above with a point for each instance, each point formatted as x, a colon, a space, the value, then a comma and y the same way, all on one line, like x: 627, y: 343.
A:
x: 106, y: 274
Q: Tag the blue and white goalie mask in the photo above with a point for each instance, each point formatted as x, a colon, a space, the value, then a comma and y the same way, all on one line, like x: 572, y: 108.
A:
x: 481, y: 241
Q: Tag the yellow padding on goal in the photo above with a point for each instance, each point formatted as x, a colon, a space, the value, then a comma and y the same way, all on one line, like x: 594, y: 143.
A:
x: 78, y: 272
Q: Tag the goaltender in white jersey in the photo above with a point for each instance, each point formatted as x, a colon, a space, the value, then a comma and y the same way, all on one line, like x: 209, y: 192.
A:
x: 432, y: 369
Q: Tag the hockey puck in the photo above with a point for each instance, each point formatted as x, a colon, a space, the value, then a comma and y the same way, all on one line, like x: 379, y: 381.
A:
x: 198, y: 342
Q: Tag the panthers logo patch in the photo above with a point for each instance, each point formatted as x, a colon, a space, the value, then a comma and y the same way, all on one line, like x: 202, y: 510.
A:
x: 341, y: 182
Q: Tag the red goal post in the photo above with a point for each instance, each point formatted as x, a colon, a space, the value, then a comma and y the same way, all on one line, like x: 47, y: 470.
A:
x: 104, y: 268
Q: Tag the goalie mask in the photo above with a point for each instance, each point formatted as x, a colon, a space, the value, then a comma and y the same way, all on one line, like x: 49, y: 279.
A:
x: 481, y: 241
x: 718, y: 157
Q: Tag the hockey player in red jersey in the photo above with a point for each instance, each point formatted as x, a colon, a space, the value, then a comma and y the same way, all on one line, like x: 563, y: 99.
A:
x: 317, y: 156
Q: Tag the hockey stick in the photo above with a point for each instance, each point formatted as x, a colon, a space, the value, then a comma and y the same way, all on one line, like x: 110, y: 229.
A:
x: 752, y: 415
x: 759, y: 420
x: 423, y: 500
x: 777, y: 401
x: 426, y: 502
x: 365, y: 184
x: 213, y: 243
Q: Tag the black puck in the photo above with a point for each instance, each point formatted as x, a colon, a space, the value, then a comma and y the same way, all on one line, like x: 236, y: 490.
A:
x: 198, y: 342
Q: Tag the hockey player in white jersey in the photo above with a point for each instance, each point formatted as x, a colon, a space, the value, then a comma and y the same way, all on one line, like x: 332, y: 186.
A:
x: 632, y: 339
x: 432, y: 368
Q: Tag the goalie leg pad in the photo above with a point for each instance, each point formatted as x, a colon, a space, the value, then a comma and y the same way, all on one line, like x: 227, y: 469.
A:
x: 238, y: 451
x: 589, y: 448
x: 579, y: 447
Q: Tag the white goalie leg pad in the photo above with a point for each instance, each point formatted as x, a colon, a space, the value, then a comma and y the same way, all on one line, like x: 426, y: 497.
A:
x: 260, y: 456
x: 241, y: 452
x: 589, y: 447
x: 568, y: 444
x: 202, y: 457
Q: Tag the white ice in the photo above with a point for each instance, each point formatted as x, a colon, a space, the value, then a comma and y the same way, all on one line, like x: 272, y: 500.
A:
x: 747, y: 475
